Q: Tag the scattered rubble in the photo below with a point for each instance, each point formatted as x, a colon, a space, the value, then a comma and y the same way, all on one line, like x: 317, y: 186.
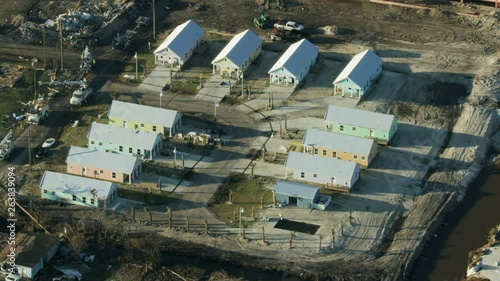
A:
x: 10, y: 75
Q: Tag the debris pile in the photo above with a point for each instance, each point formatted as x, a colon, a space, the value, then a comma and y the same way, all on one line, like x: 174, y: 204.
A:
x: 10, y: 75
x: 79, y: 25
x: 273, y: 4
x: 123, y: 40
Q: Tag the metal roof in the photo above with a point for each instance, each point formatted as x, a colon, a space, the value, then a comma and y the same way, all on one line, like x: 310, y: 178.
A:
x: 182, y: 38
x: 75, y: 185
x: 331, y: 167
x: 296, y: 57
x: 360, y: 68
x: 294, y: 189
x: 31, y: 248
x: 338, y: 142
x: 360, y: 118
x: 102, y: 160
x: 239, y: 49
x: 122, y: 136
x: 143, y: 113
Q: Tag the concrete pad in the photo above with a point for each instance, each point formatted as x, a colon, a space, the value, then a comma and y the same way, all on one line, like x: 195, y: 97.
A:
x: 213, y: 91
x: 300, y: 123
x: 268, y: 170
x: 261, y: 100
x: 339, y: 101
x: 157, y: 79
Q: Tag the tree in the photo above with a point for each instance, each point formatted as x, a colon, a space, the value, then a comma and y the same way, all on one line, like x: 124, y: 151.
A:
x: 252, y: 171
x: 292, y: 234
x: 231, y: 192
x: 159, y: 183
x: 132, y: 213
x: 187, y: 224
x: 148, y: 210
x: 206, y: 227
x: 320, y: 239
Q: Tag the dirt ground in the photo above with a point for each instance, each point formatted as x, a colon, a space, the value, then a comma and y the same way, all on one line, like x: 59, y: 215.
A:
x: 440, y: 78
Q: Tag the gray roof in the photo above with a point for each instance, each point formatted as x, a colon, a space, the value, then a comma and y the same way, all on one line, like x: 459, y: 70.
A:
x: 239, y: 49
x: 122, y: 136
x: 75, y: 185
x: 339, y: 142
x: 34, y: 248
x: 296, y: 57
x: 181, y: 39
x: 328, y: 166
x: 102, y: 160
x: 360, y: 68
x: 357, y: 117
x: 296, y: 189
x: 143, y: 113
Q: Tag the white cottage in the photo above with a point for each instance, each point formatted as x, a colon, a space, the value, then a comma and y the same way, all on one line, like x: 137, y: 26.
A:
x: 294, y: 64
x: 322, y: 170
x: 238, y: 54
x: 179, y: 45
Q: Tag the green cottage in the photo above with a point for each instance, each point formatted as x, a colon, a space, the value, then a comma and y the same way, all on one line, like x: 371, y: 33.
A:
x: 360, y: 123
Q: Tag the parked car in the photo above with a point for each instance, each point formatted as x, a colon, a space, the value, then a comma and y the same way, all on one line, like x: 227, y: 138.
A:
x: 49, y: 142
x: 42, y: 152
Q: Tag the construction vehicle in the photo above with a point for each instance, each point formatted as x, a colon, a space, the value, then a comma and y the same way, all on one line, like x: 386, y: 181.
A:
x: 81, y: 95
x: 87, y: 60
x: 262, y: 21
x: 285, y: 36
x: 289, y: 25
x: 6, y: 146
x: 123, y: 41
x: 38, y: 111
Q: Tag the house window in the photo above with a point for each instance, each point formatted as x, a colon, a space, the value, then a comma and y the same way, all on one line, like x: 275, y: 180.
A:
x: 324, y: 152
x: 84, y: 200
x: 74, y: 197
x: 315, y: 175
x: 142, y: 125
x: 349, y: 89
x: 138, y: 151
x: 355, y: 156
x: 354, y: 128
x: 130, y: 150
x: 363, y: 158
x: 302, y: 174
x: 53, y: 193
x: 91, y: 142
x: 113, y: 175
x: 341, y: 127
x: 44, y: 191
x: 92, y: 201
x: 154, y: 128
x: 101, y: 171
x: 315, y: 151
x: 136, y: 126
x: 120, y: 148
x: 334, y: 154
x: 100, y: 143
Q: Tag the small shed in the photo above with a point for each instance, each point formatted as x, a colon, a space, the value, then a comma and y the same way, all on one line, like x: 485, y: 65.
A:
x: 300, y: 195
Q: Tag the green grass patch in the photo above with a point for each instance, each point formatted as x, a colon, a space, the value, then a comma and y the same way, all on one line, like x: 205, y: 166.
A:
x: 150, y: 198
x: 246, y: 194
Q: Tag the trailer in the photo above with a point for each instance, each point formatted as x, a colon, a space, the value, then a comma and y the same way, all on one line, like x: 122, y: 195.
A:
x: 81, y: 95
x: 7, y: 146
x: 87, y: 60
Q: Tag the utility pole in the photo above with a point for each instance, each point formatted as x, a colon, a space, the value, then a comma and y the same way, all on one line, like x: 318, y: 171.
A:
x: 154, y: 21
x: 29, y: 146
x: 33, y: 63
x: 44, y: 52
x: 61, y: 35
x: 136, y: 67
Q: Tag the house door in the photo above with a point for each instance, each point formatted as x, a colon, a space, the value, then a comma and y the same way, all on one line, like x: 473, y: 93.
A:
x: 372, y: 134
x: 136, y: 127
x: 333, y: 182
x: 292, y: 201
x: 84, y: 171
x: 124, y: 124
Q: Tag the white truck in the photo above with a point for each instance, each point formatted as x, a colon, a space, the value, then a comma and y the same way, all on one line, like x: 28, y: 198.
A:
x: 6, y: 146
x: 39, y: 110
x: 80, y: 95
x: 289, y: 25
